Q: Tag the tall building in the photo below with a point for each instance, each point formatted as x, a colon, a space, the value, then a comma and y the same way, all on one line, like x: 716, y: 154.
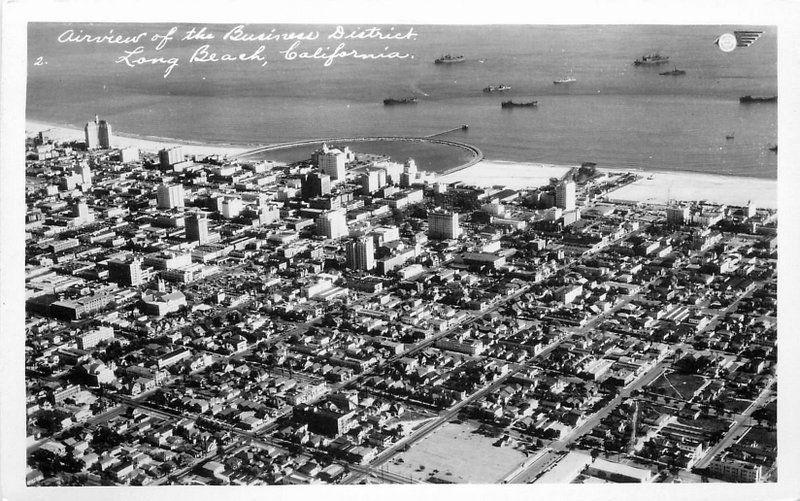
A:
x: 372, y: 180
x: 332, y: 224
x: 332, y: 162
x: 168, y: 157
x: 104, y: 134
x: 86, y: 174
x: 316, y: 184
x: 126, y: 271
x: 169, y: 196
x: 565, y: 195
x: 97, y: 134
x: 361, y: 253
x: 81, y: 209
x: 443, y: 225
x: 197, y: 228
x: 91, y: 133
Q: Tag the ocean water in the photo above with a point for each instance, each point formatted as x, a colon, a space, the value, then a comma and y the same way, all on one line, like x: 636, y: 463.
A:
x: 615, y: 114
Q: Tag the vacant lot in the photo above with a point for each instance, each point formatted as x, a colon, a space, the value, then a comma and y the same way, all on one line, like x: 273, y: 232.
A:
x: 455, y: 453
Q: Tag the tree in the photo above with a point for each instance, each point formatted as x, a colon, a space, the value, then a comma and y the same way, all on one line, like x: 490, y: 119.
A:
x: 594, y: 453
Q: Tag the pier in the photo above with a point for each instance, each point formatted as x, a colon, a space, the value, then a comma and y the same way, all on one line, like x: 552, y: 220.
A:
x: 448, y: 131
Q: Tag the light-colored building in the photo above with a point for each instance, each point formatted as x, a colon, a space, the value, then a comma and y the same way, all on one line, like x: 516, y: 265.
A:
x: 361, y: 253
x: 443, y: 225
x: 677, y: 215
x: 231, y: 207
x: 332, y: 224
x: 91, y: 136
x: 372, y: 180
x: 170, y: 196
x: 332, y: 162
x: 168, y: 157
x: 565, y: 195
x: 97, y: 134
x: 129, y: 154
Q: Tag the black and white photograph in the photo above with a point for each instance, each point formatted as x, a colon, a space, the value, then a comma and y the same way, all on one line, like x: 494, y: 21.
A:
x: 242, y: 248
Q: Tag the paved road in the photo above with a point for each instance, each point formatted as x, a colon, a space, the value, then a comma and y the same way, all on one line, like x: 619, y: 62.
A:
x: 556, y: 448
x: 739, y: 422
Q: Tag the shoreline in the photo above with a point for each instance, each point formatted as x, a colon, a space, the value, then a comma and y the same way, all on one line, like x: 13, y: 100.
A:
x: 144, y: 143
x: 654, y: 186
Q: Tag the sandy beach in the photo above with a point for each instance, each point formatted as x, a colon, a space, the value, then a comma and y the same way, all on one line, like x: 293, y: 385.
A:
x: 122, y: 140
x: 654, y: 186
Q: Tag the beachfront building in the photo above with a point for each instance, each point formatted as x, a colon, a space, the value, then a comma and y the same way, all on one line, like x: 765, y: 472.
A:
x: 129, y: 154
x: 361, y: 253
x: 565, y: 195
x: 677, y: 215
x: 332, y: 162
x: 168, y: 157
x: 169, y: 196
x: 97, y: 134
x: 443, y: 225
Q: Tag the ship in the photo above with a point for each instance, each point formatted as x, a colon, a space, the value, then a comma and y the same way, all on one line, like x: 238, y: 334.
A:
x: 652, y: 59
x: 729, y: 136
x: 449, y: 59
x: 750, y: 99
x: 497, y: 88
x: 406, y: 100
x: 774, y: 149
x: 512, y: 104
x: 564, y: 80
x: 675, y: 72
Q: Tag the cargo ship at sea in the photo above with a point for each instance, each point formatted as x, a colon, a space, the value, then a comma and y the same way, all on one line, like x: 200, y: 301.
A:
x: 652, y: 59
x: 449, y: 59
x: 405, y: 100
x: 496, y: 88
x: 753, y: 99
x: 675, y: 72
x: 513, y: 104
x: 564, y: 80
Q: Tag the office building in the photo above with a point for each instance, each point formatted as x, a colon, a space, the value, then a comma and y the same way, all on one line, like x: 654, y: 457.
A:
x: 316, y: 184
x: 231, y: 207
x: 443, y: 225
x: 197, y: 228
x: 372, y: 180
x: 126, y: 271
x: 565, y: 195
x: 361, y: 253
x: 332, y: 162
x: 332, y: 224
x: 170, y: 196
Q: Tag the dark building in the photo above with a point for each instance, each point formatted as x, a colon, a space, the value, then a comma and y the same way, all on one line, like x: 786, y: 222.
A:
x: 316, y: 184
